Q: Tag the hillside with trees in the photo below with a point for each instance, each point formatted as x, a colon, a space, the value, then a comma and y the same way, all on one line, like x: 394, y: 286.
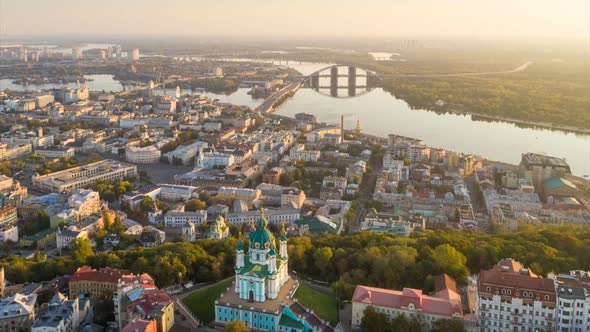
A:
x: 380, y: 260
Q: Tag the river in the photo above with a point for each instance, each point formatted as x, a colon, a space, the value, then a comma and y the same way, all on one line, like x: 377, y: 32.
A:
x: 97, y: 82
x: 381, y: 113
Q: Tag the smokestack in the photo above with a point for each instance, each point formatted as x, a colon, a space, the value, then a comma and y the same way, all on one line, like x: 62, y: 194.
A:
x: 342, y: 128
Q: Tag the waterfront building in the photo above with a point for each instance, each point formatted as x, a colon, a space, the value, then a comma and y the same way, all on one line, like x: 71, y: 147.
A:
x: 538, y: 167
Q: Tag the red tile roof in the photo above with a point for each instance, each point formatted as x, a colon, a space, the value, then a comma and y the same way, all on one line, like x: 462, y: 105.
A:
x: 152, y: 298
x: 140, y: 325
x: 511, y: 273
x: 86, y: 273
x: 445, y: 302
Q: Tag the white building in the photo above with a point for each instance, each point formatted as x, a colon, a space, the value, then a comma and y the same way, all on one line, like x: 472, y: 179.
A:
x: 85, y: 201
x: 134, y: 54
x: 298, y: 152
x: 61, y: 315
x: 8, y: 225
x: 175, y: 192
x: 184, y: 153
x: 18, y: 312
x: 63, y: 238
x: 55, y: 151
x: 513, y: 298
x: 211, y: 160
x: 131, y: 123
x: 181, y: 218
x: 573, y: 301
x: 142, y: 155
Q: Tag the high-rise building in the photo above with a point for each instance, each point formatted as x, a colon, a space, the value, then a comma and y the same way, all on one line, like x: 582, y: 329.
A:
x: 133, y: 55
x: 76, y: 53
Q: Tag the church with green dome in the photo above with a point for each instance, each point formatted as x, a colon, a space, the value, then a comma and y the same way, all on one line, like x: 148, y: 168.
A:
x: 262, y: 271
x: 262, y: 292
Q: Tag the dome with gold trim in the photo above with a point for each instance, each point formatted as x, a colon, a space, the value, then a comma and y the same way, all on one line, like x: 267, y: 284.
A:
x: 262, y: 238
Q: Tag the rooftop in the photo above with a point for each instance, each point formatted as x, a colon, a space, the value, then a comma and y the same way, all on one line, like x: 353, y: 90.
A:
x: 445, y: 302
x: 536, y: 159
x: 86, y: 273
x: 231, y: 298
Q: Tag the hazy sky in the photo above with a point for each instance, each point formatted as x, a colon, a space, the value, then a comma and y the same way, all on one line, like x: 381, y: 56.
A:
x: 378, y: 18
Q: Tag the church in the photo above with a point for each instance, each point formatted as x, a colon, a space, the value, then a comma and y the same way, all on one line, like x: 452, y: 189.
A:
x: 262, y: 292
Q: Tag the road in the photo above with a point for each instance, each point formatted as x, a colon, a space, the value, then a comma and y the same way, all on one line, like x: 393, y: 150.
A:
x: 515, y: 70
x: 269, y: 103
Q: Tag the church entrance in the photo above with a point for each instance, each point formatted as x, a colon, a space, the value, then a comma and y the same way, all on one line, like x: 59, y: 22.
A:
x: 251, y: 298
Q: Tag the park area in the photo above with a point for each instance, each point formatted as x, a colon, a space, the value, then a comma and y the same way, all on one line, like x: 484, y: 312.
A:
x: 323, y: 304
x: 202, y: 302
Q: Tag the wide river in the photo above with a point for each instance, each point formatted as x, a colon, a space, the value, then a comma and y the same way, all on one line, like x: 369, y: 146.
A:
x: 381, y: 113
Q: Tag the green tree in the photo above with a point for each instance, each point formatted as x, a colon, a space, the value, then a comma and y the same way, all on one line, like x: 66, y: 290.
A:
x: 400, y: 323
x: 81, y: 249
x: 236, y: 326
x: 450, y: 261
x: 449, y: 325
x: 322, y: 259
x: 373, y: 321
x: 195, y: 205
x: 147, y: 204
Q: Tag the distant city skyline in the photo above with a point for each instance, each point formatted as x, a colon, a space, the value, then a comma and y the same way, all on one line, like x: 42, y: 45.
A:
x: 344, y: 18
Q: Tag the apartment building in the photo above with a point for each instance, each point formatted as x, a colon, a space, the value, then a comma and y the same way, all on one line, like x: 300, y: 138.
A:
x: 142, y: 155
x: 84, y: 176
x: 512, y: 298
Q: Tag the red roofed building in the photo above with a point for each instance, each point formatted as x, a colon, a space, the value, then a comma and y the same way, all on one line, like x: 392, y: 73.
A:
x: 137, y: 297
x: 140, y: 325
x: 101, y: 282
x: 444, y: 304
x: 513, y: 298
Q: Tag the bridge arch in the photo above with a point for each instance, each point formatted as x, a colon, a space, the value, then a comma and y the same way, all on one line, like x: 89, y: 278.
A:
x: 351, y: 74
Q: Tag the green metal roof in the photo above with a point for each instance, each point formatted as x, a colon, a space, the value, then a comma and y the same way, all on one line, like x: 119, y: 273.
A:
x: 288, y: 321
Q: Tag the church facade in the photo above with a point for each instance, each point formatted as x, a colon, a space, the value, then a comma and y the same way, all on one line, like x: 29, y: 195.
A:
x: 262, y: 292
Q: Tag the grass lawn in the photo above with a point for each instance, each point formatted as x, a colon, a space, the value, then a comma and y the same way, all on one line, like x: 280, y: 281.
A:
x: 202, y: 302
x: 323, y: 304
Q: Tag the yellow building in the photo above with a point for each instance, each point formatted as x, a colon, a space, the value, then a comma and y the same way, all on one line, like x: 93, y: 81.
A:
x: 101, y: 282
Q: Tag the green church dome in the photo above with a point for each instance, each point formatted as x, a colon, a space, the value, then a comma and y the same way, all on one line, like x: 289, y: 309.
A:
x: 261, y: 238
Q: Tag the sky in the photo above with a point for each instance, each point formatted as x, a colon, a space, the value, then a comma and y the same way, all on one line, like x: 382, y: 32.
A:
x: 568, y: 19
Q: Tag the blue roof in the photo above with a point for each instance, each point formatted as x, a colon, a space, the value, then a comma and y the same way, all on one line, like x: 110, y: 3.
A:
x: 556, y: 182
